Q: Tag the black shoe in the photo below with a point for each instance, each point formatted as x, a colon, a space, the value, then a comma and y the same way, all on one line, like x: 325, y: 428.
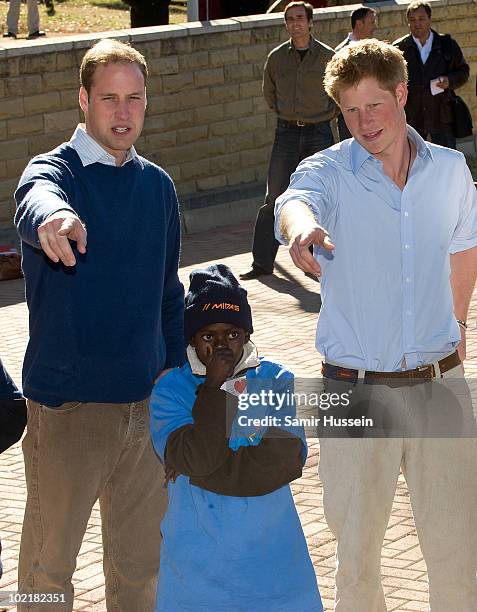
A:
x: 36, y: 34
x: 255, y: 272
x: 9, y: 35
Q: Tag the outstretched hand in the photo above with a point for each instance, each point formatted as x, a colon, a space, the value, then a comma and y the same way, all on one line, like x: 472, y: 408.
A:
x: 300, y: 252
x: 56, y: 232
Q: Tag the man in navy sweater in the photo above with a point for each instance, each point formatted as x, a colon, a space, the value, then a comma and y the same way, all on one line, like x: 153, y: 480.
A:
x: 101, y: 232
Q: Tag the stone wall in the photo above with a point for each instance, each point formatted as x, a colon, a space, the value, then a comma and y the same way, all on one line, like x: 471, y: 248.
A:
x: 207, y: 123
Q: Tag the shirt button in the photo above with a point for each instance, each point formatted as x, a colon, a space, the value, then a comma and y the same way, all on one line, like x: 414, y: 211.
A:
x: 407, y: 246
x: 408, y: 280
x: 408, y: 312
x: 406, y: 214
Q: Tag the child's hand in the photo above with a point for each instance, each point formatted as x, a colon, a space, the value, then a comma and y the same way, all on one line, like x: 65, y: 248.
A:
x: 219, y: 367
x: 170, y: 475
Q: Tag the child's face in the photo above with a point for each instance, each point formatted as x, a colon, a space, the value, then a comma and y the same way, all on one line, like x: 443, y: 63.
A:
x: 219, y: 336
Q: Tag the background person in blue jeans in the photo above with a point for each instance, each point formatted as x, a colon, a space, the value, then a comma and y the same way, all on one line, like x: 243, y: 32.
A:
x: 232, y: 539
x: 293, y: 88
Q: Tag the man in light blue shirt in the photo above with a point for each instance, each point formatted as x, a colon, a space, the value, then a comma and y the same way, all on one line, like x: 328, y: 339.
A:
x: 393, y: 221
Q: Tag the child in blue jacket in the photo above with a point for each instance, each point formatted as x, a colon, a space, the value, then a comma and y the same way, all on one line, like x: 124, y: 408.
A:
x: 232, y: 539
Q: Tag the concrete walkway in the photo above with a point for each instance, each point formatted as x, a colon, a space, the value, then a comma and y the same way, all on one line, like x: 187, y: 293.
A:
x: 285, y: 308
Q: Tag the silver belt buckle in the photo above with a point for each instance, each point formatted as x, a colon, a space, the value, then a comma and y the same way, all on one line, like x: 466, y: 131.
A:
x: 300, y: 123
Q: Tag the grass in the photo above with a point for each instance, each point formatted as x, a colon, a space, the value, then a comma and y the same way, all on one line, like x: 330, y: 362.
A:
x: 83, y: 16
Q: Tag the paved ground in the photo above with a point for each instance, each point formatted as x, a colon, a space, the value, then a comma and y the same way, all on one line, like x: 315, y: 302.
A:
x: 285, y: 309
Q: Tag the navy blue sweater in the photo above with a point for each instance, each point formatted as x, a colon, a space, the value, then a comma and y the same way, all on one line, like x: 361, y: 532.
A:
x: 104, y: 329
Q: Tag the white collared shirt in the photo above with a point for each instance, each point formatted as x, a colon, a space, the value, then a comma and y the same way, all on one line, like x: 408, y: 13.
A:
x: 424, y: 49
x: 91, y: 152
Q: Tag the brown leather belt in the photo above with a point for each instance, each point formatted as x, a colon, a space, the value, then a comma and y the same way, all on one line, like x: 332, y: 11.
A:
x: 403, y: 377
x: 297, y: 123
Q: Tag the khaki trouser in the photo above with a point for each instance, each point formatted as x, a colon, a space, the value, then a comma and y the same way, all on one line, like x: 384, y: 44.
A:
x: 359, y: 481
x: 13, y: 16
x: 75, y: 455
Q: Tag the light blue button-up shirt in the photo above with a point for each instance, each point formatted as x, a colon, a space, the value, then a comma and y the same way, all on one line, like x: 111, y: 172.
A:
x: 91, y: 152
x: 385, y: 288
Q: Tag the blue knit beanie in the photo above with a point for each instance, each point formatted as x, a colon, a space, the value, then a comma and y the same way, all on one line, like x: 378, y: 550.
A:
x: 215, y: 296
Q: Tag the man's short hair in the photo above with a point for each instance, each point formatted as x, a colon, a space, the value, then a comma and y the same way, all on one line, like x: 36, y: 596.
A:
x: 306, y: 5
x: 365, y: 59
x: 359, y: 14
x: 416, y: 5
x: 108, y: 51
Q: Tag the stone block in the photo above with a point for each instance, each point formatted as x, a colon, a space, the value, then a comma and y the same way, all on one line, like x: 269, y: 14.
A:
x: 154, y: 85
x: 15, y: 167
x: 164, y: 65
x: 38, y: 64
x: 178, y: 82
x: 42, y: 103
x: 41, y: 143
x: 251, y: 89
x: 10, y: 67
x: 67, y: 59
x: 14, y: 148
x: 174, y: 172
x: 206, y: 78
x: 240, y: 108
x: 254, y: 53
x: 195, y: 98
x: 25, y: 125
x: 11, y: 107
x: 162, y: 104
x: 192, y: 134
x: 23, y: 85
x: 69, y: 98
x: 209, y: 113
x: 223, y: 57
x: 3, y: 131
x: 211, y: 182
x: 200, y: 59
x: 251, y: 124
x: 3, y: 169
x: 199, y: 151
x: 226, y: 163
x: 7, y: 189
x: 243, y: 175
x: 176, y: 46
x: 224, y: 93
x: 239, y: 142
x: 180, y: 119
x: 6, y: 218
x: 254, y: 157
x: 259, y: 105
x: 199, y: 168
x: 62, y: 120
x: 238, y: 72
x: 186, y: 187
x: 64, y: 79
x: 263, y: 138
x: 160, y: 141
x: 270, y: 35
x: 221, y: 128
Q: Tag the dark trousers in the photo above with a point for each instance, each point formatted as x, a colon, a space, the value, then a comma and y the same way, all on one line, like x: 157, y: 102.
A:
x: 292, y: 144
x: 148, y: 14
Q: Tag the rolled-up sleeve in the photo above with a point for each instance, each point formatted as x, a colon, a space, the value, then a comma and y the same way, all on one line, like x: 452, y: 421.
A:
x: 313, y: 183
x: 465, y: 234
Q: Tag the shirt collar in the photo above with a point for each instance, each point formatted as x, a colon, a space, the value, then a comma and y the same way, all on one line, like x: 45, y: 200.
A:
x: 428, y: 42
x: 311, y: 47
x: 358, y: 154
x: 91, y: 152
